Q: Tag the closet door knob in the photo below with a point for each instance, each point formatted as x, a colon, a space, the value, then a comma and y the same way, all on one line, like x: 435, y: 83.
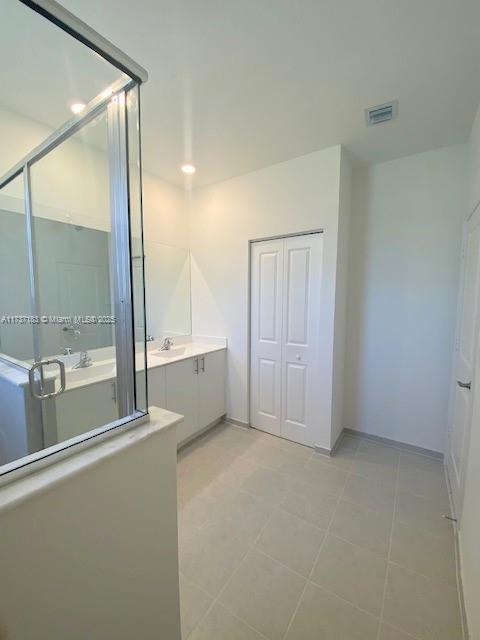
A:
x: 298, y: 357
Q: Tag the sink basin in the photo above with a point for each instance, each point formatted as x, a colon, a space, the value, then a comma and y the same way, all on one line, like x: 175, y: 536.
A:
x: 96, y: 370
x: 174, y: 352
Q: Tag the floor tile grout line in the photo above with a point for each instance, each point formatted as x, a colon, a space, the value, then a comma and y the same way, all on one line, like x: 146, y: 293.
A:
x: 435, y: 579
x: 405, y: 633
x: 382, y: 609
x: 184, y: 577
x: 323, y: 588
x: 249, y: 548
x: 217, y: 597
x: 259, y: 633
x: 327, y: 530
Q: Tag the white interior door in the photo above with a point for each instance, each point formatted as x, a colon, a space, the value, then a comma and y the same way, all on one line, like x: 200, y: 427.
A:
x: 300, y: 337
x: 285, y: 331
x: 266, y: 335
x: 467, y: 339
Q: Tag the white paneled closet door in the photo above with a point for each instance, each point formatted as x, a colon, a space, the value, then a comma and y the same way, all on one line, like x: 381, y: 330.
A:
x: 266, y: 335
x: 300, y: 337
x: 285, y: 334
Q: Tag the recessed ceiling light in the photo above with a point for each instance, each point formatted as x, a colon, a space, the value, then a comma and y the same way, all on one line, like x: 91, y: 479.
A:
x: 188, y: 169
x: 77, y: 107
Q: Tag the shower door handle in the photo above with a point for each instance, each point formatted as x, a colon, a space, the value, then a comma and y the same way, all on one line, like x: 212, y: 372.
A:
x: 31, y: 378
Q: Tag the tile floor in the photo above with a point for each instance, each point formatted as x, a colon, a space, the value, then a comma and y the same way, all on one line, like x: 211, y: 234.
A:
x: 278, y: 542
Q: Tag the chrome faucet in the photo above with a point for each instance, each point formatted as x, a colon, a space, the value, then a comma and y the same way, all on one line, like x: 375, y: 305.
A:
x: 84, y: 361
x: 150, y: 338
x: 166, y: 344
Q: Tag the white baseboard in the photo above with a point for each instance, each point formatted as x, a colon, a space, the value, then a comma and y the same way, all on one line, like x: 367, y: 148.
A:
x: 238, y: 423
x: 458, y: 561
x: 394, y: 443
x: 199, y: 433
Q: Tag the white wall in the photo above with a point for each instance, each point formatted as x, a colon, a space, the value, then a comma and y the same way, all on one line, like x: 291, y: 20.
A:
x: 89, y: 544
x: 167, y: 274
x: 298, y: 195
x: 403, y: 280
x: 165, y: 212
x: 167, y: 263
x: 341, y: 297
x: 474, y: 164
x: 469, y: 533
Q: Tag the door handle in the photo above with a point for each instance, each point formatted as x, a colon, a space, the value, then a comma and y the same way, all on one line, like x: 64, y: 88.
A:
x: 464, y: 385
x: 195, y: 365
x: 31, y: 379
x: 203, y: 364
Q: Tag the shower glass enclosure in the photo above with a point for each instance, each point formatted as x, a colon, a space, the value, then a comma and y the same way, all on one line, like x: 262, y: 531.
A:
x: 72, y: 325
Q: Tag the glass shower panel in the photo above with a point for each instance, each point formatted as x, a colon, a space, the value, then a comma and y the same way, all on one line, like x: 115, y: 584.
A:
x: 72, y: 326
x: 70, y: 192
x: 16, y: 321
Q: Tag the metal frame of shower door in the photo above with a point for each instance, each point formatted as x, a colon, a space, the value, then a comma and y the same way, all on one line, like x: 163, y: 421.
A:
x: 94, y: 108
x: 68, y: 22
x: 33, y: 279
x: 121, y: 252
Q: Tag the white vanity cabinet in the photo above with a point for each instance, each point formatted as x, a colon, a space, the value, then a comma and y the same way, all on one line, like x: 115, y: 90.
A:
x: 156, y: 387
x: 85, y: 408
x: 196, y: 389
x: 211, y: 387
x: 181, y: 395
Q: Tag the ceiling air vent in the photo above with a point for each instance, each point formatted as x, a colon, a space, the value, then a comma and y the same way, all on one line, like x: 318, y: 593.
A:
x: 381, y: 113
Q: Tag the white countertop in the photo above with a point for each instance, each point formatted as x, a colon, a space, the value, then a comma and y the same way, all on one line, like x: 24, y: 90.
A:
x: 103, y: 367
x: 103, y: 370
x: 159, y: 358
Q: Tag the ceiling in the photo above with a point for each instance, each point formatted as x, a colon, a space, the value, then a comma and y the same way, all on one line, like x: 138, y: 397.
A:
x: 236, y: 85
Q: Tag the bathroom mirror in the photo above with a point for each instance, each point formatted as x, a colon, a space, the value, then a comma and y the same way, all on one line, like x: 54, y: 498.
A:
x: 167, y: 285
x: 74, y: 264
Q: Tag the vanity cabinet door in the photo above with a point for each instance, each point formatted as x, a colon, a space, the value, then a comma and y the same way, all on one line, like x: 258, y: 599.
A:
x: 211, y: 388
x: 85, y: 408
x: 156, y: 387
x: 181, y: 395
